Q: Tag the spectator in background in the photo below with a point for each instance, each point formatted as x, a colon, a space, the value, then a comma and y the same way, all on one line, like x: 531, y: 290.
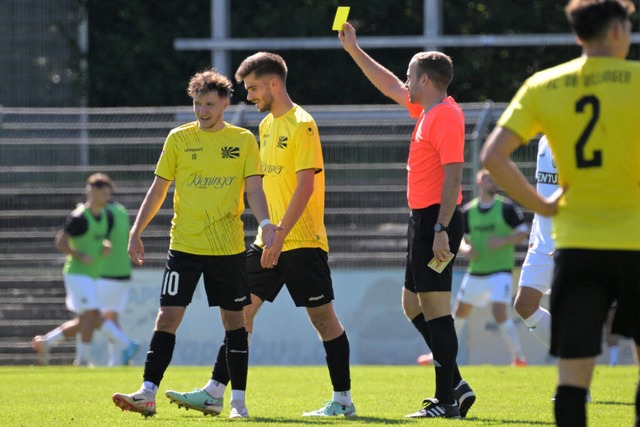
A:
x: 84, y: 239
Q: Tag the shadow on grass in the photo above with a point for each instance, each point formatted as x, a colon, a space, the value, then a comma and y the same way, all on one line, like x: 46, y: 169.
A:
x: 613, y: 403
x: 504, y: 422
x: 324, y: 420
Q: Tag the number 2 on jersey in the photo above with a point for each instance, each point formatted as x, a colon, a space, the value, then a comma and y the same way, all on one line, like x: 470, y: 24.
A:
x: 581, y: 160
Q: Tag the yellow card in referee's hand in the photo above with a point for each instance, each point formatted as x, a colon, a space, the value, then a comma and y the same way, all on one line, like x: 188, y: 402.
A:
x: 341, y: 17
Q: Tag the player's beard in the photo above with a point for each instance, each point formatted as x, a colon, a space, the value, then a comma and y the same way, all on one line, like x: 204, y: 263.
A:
x: 267, y: 103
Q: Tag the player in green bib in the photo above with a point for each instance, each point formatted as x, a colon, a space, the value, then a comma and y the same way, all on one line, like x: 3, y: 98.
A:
x: 211, y: 162
x: 115, y: 278
x: 493, y: 226
x: 84, y: 239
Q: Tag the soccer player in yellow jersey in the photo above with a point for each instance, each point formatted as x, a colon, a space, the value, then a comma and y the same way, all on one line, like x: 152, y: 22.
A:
x: 211, y: 163
x: 588, y: 109
x: 294, y: 185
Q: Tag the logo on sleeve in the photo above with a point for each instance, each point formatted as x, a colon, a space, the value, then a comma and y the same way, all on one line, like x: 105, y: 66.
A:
x: 282, y: 142
x: 230, y: 152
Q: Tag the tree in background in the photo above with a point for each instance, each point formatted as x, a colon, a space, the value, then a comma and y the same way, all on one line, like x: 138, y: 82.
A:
x: 132, y: 61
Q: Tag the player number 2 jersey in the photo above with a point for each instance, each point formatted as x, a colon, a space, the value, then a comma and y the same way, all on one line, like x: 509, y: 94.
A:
x: 588, y: 109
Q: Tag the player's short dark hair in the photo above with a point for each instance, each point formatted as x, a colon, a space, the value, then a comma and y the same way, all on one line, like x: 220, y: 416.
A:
x: 437, y: 66
x: 100, y: 180
x: 262, y: 64
x: 591, y: 18
x: 207, y: 81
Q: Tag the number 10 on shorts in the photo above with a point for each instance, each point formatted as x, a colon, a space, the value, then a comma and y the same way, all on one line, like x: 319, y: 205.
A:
x: 170, y: 284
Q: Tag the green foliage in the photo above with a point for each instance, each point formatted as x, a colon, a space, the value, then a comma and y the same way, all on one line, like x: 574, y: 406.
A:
x: 133, y: 63
x: 497, y: 72
x: 54, y: 396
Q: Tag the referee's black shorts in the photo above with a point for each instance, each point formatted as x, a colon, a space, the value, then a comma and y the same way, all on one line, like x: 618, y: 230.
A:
x: 418, y: 276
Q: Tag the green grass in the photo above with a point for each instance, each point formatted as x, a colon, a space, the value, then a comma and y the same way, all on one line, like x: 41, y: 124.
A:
x: 62, y: 396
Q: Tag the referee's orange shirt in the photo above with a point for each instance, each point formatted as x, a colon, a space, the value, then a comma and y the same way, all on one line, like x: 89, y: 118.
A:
x: 437, y: 140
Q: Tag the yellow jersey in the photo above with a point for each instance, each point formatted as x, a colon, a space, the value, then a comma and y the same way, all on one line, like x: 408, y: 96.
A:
x: 588, y: 109
x: 209, y: 169
x: 289, y: 144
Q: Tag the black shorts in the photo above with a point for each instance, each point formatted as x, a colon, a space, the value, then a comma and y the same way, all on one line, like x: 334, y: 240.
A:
x: 585, y: 284
x: 418, y: 276
x: 226, y: 281
x: 305, y: 271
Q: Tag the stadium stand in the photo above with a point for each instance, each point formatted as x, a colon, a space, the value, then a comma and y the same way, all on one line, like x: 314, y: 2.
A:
x: 46, y: 154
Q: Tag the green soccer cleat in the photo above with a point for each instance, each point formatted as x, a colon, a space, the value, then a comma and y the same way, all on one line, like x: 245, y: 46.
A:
x: 142, y: 402
x: 197, y: 399
x: 332, y: 408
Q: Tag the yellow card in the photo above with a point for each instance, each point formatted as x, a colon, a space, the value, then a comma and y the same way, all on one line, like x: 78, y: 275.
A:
x: 341, y: 17
x: 438, y: 267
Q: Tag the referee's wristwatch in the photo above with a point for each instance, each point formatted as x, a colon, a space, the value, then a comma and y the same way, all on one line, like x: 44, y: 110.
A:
x: 439, y: 227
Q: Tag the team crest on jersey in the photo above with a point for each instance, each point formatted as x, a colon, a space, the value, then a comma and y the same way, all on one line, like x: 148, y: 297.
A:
x: 282, y: 142
x: 230, y: 152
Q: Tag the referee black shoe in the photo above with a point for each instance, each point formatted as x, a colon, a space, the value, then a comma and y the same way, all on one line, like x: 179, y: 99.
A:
x: 464, y: 396
x: 432, y: 408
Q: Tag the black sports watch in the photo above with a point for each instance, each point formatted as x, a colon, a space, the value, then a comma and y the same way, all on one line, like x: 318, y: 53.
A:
x: 439, y: 227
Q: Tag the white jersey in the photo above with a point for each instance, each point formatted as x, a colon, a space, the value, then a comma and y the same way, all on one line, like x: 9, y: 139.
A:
x: 540, y: 238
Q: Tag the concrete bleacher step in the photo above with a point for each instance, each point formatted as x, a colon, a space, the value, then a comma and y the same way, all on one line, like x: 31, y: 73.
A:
x: 42, y: 179
x: 28, y: 328
x: 18, y: 351
x: 49, y: 309
x: 31, y: 303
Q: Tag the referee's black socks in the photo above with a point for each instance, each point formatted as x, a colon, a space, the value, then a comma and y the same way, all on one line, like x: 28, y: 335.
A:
x: 570, y: 406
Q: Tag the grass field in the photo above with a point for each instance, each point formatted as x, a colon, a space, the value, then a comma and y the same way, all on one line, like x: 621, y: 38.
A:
x: 62, y: 396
